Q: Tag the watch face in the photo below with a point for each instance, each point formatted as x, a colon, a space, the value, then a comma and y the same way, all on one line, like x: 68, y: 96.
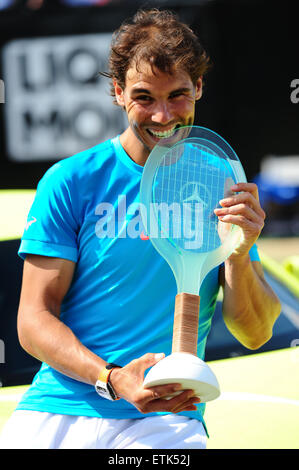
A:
x: 105, y: 390
x: 101, y: 390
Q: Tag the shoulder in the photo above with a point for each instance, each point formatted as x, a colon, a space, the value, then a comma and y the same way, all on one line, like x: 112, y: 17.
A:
x: 79, y: 166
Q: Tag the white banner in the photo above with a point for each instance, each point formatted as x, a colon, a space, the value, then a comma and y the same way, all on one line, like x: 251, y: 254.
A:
x: 56, y: 104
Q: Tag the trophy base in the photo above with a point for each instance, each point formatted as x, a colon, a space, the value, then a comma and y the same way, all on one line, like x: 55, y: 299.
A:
x: 188, y: 370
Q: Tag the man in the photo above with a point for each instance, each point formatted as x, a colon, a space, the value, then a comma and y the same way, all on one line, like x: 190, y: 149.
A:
x: 90, y: 300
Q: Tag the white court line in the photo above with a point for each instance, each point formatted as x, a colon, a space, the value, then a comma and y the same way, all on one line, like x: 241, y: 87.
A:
x: 291, y: 314
x: 11, y: 397
x: 243, y: 396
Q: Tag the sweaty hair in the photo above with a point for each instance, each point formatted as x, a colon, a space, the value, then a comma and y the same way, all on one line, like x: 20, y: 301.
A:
x: 159, y: 38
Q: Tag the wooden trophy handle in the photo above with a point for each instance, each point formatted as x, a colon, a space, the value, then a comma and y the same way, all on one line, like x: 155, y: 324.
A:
x: 185, y: 325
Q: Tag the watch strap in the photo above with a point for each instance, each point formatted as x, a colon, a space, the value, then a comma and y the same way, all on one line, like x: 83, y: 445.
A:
x: 104, y: 378
x: 104, y: 374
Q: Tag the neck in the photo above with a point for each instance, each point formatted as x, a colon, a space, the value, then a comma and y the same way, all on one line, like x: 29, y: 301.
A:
x: 133, y: 147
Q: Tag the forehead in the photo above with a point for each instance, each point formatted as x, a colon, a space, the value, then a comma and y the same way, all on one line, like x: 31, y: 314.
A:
x: 145, y: 76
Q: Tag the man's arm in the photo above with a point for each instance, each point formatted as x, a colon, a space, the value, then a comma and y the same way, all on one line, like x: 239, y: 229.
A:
x: 43, y: 335
x: 250, y: 307
x: 45, y: 283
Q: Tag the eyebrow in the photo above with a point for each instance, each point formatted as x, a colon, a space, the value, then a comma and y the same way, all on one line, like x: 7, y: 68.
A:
x: 141, y: 90
x: 147, y: 92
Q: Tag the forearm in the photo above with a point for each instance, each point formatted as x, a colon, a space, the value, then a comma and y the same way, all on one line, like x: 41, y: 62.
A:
x: 48, y: 339
x: 250, y: 307
x: 51, y: 341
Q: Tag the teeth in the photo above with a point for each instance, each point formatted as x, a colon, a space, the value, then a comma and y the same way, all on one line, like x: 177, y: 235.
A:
x: 168, y: 133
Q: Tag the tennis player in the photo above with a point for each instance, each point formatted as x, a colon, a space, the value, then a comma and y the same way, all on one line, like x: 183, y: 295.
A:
x: 97, y: 301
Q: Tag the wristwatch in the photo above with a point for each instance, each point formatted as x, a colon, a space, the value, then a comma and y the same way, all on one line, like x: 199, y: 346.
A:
x: 103, y: 386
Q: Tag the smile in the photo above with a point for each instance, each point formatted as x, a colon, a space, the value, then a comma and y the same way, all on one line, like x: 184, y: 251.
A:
x: 162, y: 134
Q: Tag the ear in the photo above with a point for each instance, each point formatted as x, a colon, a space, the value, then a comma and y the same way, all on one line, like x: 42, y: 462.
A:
x: 119, y: 94
x: 198, y: 89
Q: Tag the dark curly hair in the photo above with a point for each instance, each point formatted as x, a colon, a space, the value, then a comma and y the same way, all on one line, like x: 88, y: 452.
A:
x: 159, y: 38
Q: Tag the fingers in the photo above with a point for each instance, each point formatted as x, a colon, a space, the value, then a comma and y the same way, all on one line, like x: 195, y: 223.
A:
x: 239, y: 214
x: 188, y: 405
x: 242, y: 209
x: 163, y: 391
x: 249, y: 198
x: 185, y: 401
x: 246, y: 187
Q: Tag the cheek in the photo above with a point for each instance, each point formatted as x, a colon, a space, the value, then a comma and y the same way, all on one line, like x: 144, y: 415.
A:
x: 187, y: 113
x: 137, y: 113
x: 185, y: 108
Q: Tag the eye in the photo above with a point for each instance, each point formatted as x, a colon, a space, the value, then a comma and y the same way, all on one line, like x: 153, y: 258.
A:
x: 176, y: 94
x: 144, y: 98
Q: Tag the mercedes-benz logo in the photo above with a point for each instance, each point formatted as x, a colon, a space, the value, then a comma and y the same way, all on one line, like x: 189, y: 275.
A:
x: 194, y: 192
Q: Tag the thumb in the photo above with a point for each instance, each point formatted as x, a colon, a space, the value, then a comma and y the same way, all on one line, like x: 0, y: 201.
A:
x: 158, y: 357
x: 150, y: 359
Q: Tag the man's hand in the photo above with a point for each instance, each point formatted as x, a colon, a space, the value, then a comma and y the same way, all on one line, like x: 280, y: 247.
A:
x: 128, y: 384
x: 245, y: 211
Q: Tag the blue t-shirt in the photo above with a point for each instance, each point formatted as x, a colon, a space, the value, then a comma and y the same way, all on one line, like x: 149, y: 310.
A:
x: 121, y: 300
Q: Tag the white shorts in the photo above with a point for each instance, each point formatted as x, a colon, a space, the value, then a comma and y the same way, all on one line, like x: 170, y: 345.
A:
x: 41, y: 430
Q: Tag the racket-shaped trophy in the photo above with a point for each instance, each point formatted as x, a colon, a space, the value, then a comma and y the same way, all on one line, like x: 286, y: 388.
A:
x: 184, y: 178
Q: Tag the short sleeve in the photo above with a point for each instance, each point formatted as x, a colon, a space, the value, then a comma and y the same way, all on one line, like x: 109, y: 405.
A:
x: 51, y: 228
x: 254, y: 254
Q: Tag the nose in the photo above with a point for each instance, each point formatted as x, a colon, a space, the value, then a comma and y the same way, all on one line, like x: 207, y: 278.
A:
x: 162, y: 113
